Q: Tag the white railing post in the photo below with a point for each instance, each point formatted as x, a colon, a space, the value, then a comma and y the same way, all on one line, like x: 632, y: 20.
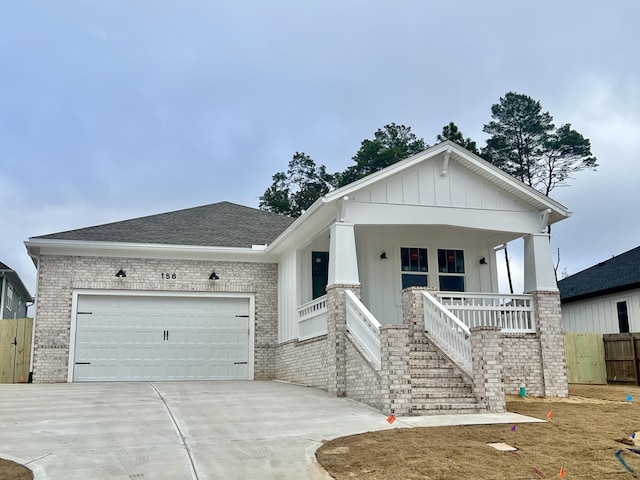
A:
x: 511, y: 313
x: 448, y: 333
x: 312, y: 318
x: 363, y: 326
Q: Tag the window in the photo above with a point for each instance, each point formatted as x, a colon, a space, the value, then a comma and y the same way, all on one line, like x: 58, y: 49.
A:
x: 451, y: 269
x: 414, y: 266
x: 623, y: 317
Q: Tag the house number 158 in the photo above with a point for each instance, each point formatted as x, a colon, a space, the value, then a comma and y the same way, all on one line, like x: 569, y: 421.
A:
x: 169, y: 276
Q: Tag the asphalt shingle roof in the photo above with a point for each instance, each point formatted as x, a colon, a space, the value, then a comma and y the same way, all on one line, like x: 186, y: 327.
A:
x: 614, y: 275
x: 221, y: 224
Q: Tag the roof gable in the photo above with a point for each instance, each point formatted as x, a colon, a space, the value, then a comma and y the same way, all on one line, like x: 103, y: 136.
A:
x: 444, y: 156
x: 220, y: 224
x: 424, y: 184
x: 614, y: 275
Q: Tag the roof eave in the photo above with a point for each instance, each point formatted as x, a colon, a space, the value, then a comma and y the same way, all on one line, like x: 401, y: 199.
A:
x: 36, y: 246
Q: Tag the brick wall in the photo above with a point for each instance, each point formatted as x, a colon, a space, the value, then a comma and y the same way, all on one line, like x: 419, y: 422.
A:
x: 363, y: 380
x: 395, y: 378
x: 488, y: 364
x: 522, y: 363
x: 304, y: 362
x: 60, y: 275
x: 550, y: 329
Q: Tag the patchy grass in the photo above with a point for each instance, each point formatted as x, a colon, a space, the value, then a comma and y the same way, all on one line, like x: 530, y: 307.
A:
x: 581, y: 439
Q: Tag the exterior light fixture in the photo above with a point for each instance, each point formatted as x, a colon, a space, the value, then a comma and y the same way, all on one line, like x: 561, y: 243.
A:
x: 483, y: 261
x: 121, y: 274
x: 213, y: 276
x: 383, y: 256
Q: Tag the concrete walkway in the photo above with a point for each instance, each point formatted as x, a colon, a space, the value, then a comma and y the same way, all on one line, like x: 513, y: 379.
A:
x: 184, y: 430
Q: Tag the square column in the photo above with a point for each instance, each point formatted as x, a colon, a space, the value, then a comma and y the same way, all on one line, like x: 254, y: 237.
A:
x: 343, y: 262
x: 551, y: 332
x: 539, y: 273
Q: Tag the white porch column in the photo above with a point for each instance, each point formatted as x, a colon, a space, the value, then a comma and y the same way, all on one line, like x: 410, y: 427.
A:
x: 538, y: 264
x: 343, y: 263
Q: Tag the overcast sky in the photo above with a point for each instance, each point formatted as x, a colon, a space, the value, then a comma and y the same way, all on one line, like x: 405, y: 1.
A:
x: 118, y: 109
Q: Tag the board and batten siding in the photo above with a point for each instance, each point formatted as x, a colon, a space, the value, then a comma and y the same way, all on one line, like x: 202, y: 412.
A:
x: 600, y: 314
x: 423, y: 185
x: 288, y: 300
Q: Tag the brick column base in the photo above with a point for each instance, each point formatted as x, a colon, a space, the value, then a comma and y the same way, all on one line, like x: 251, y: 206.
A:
x: 549, y: 326
x: 488, y: 382
x: 336, y: 337
x: 395, y: 378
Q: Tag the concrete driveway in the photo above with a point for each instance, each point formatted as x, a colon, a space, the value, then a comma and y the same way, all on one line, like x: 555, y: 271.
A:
x: 182, y: 430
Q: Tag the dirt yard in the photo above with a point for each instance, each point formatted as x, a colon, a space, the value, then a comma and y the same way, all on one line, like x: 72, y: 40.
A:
x: 580, y: 439
x: 13, y: 471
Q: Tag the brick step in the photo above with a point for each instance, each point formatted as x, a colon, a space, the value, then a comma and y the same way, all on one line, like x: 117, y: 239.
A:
x: 443, y: 400
x: 441, y: 392
x: 446, y: 409
x: 440, y: 382
x: 442, y: 370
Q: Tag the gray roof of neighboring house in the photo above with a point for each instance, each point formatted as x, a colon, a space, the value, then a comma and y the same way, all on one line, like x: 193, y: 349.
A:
x: 617, y: 274
x: 220, y: 224
x: 16, y: 281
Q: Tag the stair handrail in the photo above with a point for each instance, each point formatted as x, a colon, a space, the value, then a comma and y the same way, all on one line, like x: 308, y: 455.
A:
x: 449, y: 334
x: 363, y: 326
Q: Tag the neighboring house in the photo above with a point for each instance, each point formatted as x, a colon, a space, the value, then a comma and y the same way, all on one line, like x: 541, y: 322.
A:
x: 14, y: 296
x: 337, y: 299
x: 604, y: 298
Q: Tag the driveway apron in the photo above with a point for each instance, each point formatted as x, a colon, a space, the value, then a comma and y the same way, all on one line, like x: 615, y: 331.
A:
x: 177, y: 430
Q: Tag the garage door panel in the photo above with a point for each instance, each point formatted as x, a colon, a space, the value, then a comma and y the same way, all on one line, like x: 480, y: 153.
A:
x: 154, y: 338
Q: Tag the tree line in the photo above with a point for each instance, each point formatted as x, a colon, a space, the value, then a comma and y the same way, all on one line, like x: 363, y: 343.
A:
x: 523, y: 141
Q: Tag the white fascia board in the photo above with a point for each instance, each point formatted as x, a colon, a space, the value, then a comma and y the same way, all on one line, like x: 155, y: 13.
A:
x: 144, y: 250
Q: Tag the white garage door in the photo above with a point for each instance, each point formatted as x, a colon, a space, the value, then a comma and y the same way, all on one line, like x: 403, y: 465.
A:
x: 130, y: 338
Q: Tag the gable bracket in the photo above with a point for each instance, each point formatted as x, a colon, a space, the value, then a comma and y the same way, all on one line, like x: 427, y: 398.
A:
x: 445, y: 162
x: 544, y: 219
x: 343, y: 208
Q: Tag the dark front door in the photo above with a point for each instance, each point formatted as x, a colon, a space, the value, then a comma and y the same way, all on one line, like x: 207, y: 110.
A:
x: 319, y: 273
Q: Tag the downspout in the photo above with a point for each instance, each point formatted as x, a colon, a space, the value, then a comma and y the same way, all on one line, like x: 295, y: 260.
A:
x: 36, y: 258
x: 3, y: 286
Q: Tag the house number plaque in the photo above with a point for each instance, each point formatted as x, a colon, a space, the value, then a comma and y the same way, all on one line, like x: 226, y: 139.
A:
x: 169, y: 276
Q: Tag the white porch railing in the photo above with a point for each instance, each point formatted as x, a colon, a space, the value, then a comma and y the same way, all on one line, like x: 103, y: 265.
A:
x: 512, y: 313
x: 312, y: 318
x: 447, y: 332
x: 363, y: 326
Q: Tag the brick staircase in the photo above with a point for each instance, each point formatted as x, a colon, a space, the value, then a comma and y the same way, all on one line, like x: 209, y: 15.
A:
x: 437, y: 386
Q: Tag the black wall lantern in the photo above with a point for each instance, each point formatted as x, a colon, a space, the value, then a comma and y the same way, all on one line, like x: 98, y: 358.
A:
x: 121, y: 274
x: 213, y: 276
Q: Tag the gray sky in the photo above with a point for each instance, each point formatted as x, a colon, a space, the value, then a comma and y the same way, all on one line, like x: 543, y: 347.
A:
x: 113, y: 110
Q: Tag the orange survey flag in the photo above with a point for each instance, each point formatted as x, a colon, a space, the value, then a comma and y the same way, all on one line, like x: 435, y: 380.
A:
x: 561, y: 474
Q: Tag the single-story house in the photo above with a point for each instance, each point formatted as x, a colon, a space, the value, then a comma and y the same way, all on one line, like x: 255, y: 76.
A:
x: 604, y: 298
x: 14, y: 296
x: 385, y: 291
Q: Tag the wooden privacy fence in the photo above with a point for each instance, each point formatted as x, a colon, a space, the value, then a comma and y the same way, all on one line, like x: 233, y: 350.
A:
x: 621, y: 355
x: 15, y: 349
x: 585, y: 358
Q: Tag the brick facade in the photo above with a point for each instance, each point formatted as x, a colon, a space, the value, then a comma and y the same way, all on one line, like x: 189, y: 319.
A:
x: 550, y: 329
x: 522, y: 363
x: 363, y: 379
x: 486, y: 351
x: 336, y: 336
x: 395, y: 350
x: 305, y: 362
x: 59, y: 276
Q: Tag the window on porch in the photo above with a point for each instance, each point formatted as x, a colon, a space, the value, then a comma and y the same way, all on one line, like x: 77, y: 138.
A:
x: 414, y: 267
x: 451, y: 269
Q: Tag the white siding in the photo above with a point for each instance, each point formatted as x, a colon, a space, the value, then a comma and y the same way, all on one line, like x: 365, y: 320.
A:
x: 424, y: 185
x: 381, y: 279
x: 287, y: 297
x: 600, y: 314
